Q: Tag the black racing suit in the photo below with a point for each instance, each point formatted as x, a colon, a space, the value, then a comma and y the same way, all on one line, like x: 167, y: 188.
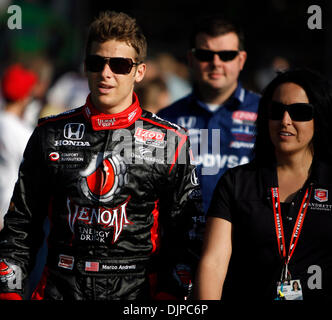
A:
x: 119, y: 191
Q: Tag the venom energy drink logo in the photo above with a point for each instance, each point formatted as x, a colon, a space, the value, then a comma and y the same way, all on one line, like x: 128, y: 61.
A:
x: 88, y: 218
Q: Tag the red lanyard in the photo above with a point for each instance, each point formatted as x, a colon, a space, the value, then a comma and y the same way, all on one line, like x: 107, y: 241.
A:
x: 279, y: 226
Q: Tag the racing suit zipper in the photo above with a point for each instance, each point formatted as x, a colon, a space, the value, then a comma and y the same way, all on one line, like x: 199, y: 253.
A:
x: 105, y: 148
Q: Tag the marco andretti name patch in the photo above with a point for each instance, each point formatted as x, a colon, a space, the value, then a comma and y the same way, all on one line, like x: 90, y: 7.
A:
x: 110, y: 267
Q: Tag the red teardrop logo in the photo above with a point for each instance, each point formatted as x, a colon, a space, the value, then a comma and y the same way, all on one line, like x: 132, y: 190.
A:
x: 101, y: 181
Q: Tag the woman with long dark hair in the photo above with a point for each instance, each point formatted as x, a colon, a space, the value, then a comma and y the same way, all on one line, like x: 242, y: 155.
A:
x: 270, y: 221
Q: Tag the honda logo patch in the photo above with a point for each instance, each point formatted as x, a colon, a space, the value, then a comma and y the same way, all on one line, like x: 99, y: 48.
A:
x: 74, y: 131
x: 321, y: 195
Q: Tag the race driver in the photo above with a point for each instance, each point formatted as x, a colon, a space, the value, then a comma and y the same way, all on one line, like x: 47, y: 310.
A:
x: 116, y: 183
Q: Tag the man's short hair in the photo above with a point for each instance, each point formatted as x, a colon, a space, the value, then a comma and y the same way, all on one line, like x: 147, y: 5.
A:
x: 111, y: 25
x: 214, y: 26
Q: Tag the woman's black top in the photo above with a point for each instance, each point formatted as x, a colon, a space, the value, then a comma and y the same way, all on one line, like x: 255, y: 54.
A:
x: 243, y: 197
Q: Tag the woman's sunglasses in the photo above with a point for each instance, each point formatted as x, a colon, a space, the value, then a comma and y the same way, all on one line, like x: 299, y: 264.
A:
x: 208, y: 55
x: 118, y: 65
x: 297, y: 111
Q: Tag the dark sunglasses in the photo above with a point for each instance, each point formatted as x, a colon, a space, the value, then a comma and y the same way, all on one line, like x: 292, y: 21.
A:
x: 208, y: 55
x: 297, y: 111
x: 118, y: 65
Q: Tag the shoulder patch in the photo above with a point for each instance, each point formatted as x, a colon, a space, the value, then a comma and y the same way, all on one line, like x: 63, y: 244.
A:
x: 166, y: 122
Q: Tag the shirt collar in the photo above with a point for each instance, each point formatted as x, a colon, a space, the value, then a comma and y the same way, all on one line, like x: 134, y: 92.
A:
x: 104, y: 121
x: 321, y: 172
x: 238, y: 95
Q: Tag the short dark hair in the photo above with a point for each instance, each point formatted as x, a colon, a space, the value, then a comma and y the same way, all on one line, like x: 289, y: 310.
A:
x: 319, y: 92
x: 214, y: 26
x: 119, y: 26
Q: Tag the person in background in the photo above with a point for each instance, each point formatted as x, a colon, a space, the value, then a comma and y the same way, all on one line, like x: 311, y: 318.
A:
x: 17, y: 86
x: 219, y: 114
x: 270, y: 220
x: 175, y: 74
x: 264, y: 75
x: 44, y: 69
x: 153, y: 94
x: 68, y: 91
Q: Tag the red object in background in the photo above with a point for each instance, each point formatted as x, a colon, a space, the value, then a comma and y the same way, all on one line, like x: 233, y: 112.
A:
x: 17, y: 82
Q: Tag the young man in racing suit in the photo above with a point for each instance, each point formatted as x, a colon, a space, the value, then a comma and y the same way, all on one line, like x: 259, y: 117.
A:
x: 116, y: 183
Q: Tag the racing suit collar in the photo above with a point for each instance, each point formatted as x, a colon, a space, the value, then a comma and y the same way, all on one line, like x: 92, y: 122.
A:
x: 103, y: 121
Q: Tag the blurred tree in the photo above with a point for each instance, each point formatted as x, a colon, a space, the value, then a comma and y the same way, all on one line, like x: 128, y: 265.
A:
x: 43, y: 33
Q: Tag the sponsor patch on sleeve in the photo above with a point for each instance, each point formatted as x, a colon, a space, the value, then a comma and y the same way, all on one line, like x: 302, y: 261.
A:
x: 150, y: 137
x: 66, y: 262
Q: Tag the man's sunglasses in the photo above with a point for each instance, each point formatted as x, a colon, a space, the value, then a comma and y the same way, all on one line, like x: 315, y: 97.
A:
x: 118, y: 65
x: 297, y: 111
x: 208, y: 55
